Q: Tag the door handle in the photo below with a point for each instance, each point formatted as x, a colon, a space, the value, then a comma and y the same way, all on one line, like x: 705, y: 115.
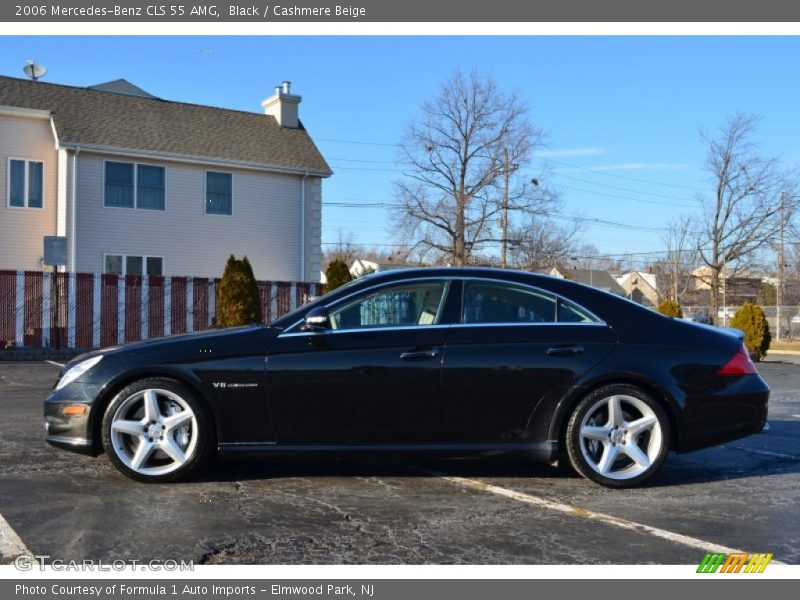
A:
x: 419, y: 355
x: 564, y: 351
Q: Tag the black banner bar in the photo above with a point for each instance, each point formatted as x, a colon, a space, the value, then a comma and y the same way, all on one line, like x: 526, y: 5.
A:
x: 730, y: 11
x: 730, y: 588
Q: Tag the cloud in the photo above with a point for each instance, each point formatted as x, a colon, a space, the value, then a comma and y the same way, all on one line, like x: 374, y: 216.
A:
x: 567, y: 152
x: 639, y: 166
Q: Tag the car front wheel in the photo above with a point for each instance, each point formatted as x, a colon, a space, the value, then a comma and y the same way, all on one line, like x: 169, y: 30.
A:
x: 155, y: 430
x: 618, y: 436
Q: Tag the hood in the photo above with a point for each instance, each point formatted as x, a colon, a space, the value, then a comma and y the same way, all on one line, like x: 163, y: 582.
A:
x: 187, y: 346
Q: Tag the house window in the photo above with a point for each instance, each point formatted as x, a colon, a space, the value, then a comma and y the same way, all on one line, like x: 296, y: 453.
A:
x: 149, y: 187
x: 219, y: 193
x: 25, y: 183
x: 132, y: 264
x: 129, y: 185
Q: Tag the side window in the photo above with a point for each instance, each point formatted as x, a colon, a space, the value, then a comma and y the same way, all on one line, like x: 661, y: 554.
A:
x: 119, y: 185
x: 150, y: 187
x: 572, y: 313
x: 25, y: 183
x: 219, y: 193
x: 113, y: 264
x: 498, y: 303
x: 402, y: 305
x: 128, y: 264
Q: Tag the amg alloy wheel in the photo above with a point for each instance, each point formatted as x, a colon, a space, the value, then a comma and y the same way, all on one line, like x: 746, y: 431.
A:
x: 155, y: 430
x: 618, y: 436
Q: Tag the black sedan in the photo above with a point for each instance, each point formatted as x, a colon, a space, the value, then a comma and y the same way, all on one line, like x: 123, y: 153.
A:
x: 450, y: 361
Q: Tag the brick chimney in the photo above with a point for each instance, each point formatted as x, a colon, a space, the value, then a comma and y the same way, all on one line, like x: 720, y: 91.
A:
x: 283, y: 105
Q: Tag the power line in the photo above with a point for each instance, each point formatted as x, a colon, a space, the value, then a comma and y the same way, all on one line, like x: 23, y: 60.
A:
x: 618, y: 176
x: 591, y: 220
x: 624, y: 189
x: 544, y: 158
x: 357, y: 142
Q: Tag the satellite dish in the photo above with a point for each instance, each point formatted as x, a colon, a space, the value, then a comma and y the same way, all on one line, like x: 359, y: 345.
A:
x: 34, y: 70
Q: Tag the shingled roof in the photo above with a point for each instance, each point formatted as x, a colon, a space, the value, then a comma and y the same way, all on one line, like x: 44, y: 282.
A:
x: 96, y: 118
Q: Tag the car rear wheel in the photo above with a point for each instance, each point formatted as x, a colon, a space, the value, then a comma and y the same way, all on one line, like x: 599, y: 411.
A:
x: 155, y: 430
x: 618, y: 436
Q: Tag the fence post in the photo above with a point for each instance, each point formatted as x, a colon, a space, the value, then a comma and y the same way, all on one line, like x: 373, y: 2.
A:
x: 190, y: 304
x: 145, y: 307
x: 168, y: 306
x: 120, y: 309
x: 212, y: 300
x: 293, y: 296
x: 46, y: 277
x: 71, y: 324
x: 19, y: 309
x: 96, y: 310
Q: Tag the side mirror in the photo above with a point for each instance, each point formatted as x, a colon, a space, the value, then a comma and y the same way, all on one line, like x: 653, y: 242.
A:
x: 317, y: 319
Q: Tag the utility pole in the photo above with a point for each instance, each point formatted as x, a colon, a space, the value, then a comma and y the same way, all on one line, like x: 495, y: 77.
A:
x: 506, y: 176
x: 675, y: 275
x: 781, y: 266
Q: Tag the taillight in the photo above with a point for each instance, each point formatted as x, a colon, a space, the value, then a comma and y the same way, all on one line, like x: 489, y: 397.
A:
x: 739, y: 364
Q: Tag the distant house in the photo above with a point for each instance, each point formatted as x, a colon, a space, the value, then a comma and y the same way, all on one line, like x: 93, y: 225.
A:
x: 600, y: 279
x: 738, y: 288
x: 140, y: 185
x: 363, y: 266
x: 640, y: 287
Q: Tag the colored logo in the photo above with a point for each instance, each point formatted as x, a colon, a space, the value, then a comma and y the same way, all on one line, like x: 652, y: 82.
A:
x: 738, y: 562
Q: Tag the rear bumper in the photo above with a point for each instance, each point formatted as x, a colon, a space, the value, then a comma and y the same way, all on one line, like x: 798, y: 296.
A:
x: 737, y: 411
x: 74, y: 433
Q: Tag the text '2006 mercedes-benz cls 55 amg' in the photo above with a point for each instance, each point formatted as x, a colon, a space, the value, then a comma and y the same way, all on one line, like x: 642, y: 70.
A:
x: 452, y: 361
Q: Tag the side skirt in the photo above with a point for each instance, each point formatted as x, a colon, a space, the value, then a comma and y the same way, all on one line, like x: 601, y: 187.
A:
x: 541, y: 451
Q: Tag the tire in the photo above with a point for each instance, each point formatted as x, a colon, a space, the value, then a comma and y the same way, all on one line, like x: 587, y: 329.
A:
x: 618, y: 436
x: 168, y: 418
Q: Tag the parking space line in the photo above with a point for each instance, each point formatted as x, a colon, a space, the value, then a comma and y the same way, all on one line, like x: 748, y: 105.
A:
x: 763, y: 452
x: 575, y: 511
x: 54, y: 363
x: 11, y: 545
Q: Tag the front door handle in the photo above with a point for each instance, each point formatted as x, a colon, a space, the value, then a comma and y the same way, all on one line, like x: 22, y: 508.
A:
x: 564, y: 351
x: 419, y: 355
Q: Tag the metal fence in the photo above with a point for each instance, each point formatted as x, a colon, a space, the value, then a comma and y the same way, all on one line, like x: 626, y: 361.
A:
x: 789, y: 317
x: 90, y: 310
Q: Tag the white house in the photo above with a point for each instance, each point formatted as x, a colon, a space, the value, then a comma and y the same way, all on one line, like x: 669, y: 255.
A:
x: 361, y: 266
x: 640, y: 286
x: 141, y: 185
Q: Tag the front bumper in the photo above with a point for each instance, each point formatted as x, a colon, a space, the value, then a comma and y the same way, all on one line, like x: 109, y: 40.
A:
x: 71, y: 432
x: 737, y: 411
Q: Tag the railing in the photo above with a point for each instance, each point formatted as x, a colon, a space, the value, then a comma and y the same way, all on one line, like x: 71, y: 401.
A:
x: 90, y: 310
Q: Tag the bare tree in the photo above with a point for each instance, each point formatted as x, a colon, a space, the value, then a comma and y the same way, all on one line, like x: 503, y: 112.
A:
x: 743, y: 215
x: 674, y: 271
x: 541, y: 244
x: 587, y: 256
x: 468, y: 138
x: 345, y: 250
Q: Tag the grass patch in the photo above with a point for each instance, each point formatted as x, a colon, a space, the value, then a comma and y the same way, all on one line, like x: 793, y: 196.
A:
x: 793, y: 345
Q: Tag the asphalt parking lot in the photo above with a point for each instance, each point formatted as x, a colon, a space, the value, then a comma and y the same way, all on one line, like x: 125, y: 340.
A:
x: 744, y: 495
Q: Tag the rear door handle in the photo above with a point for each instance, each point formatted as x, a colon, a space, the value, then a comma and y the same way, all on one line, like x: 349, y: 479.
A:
x: 419, y: 355
x: 564, y: 351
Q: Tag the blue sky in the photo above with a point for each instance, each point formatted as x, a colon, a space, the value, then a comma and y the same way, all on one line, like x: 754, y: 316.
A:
x: 623, y: 114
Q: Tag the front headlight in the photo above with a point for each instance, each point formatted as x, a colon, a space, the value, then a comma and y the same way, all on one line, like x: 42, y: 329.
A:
x: 77, y: 370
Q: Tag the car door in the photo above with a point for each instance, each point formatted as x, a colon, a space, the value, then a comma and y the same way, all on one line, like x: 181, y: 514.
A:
x: 372, y: 377
x: 509, y: 353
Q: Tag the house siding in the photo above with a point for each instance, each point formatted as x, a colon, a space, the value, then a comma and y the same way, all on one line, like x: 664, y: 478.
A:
x: 313, y: 235
x: 265, y: 224
x: 21, y: 244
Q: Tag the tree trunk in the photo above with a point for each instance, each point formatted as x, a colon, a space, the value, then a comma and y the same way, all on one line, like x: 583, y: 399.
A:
x: 714, y: 308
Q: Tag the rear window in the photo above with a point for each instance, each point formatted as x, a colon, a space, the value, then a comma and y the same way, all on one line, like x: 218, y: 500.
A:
x: 506, y: 303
